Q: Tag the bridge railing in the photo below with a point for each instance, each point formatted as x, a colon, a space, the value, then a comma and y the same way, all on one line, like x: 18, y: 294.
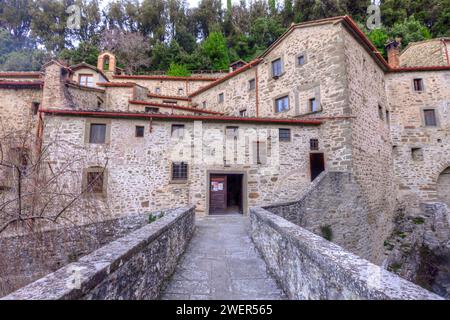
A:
x: 135, y: 266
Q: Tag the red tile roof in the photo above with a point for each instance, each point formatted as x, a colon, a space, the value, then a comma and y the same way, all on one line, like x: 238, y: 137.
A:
x: 170, y: 106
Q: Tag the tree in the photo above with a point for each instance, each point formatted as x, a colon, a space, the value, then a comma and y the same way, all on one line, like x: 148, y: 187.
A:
x: 85, y: 52
x: 379, y: 38
x: 178, y: 70
x: 41, y: 184
x: 131, y: 48
x: 15, y: 17
x: 215, y: 48
x: 410, y: 30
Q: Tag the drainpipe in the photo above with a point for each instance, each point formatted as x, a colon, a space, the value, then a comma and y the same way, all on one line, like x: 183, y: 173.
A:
x: 256, y: 92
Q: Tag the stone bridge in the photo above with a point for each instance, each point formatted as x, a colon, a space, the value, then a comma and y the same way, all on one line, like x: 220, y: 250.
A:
x: 259, y: 256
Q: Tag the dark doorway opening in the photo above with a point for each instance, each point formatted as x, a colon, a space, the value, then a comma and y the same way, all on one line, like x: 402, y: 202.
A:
x: 225, y: 194
x: 317, y: 164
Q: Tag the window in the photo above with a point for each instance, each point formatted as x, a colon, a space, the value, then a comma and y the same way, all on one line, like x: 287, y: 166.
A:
x: 180, y: 91
x: 170, y: 102
x: 251, y: 84
x: 178, y: 131
x: 417, y: 154
x: 388, y: 118
x: 157, y: 90
x: 418, y: 85
x: 380, y: 112
x: 35, y: 108
x: 429, y: 116
x: 221, y: 97
x: 95, y: 180
x: 243, y: 113
x: 301, y: 60
x: 179, y: 171
x: 86, y: 80
x: 106, y: 62
x: 284, y: 134
x: 204, y: 104
x: 260, y: 152
x: 277, y: 68
x: 139, y: 131
x: 99, y: 103
x: 282, y: 104
x: 231, y: 132
x: 313, y: 107
x: 314, y: 144
x: 151, y: 110
x: 97, y: 133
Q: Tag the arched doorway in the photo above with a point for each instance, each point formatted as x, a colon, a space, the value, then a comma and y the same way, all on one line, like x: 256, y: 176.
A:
x: 443, y: 186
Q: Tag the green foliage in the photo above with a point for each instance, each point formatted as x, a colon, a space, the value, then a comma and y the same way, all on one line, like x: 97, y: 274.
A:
x: 410, y: 30
x: 178, y: 70
x: 215, y: 49
x: 418, y: 220
x: 85, y: 52
x: 379, y: 38
x: 327, y: 232
x: 161, y: 32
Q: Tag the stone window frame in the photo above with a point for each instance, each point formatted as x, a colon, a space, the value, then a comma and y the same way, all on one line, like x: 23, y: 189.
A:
x: 423, y: 85
x: 243, y: 113
x: 180, y: 91
x: 105, y: 180
x: 283, y: 71
x: 279, y: 97
x: 172, y: 131
x: 305, y: 58
x: 157, y: 90
x: 314, y: 145
x: 204, y: 104
x: 417, y: 153
x: 87, y: 130
x: 178, y: 181
x: 436, y: 114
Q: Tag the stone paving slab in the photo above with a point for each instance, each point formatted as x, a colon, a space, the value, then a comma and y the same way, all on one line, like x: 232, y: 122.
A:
x: 221, y: 262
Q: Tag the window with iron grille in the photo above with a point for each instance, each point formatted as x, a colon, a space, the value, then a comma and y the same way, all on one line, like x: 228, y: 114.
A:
x: 418, y: 84
x: 284, y: 134
x: 179, y: 171
x: 430, y: 117
x: 139, y: 131
x: 97, y: 133
x: 95, y: 182
x: 314, y: 144
x: 282, y: 104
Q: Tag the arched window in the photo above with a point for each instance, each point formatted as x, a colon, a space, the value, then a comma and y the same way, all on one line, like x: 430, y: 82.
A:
x: 443, y: 186
x: 106, y: 62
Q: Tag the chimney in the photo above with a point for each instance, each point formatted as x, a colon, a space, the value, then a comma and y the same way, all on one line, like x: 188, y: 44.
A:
x: 393, y: 52
x: 54, y: 95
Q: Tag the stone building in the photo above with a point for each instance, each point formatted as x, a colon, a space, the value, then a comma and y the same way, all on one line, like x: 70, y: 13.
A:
x: 319, y: 100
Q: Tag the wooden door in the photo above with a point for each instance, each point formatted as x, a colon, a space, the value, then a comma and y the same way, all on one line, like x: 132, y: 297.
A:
x: 218, y: 194
x: 317, y: 164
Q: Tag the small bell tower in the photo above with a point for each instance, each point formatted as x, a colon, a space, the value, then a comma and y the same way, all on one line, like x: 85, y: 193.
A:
x: 107, y: 63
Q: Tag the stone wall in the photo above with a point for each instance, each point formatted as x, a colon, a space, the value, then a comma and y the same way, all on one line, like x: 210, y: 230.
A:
x: 421, y: 153
x: 333, y: 204
x: 309, y: 267
x: 28, y: 257
x: 371, y: 159
x: 139, y: 171
x: 424, y: 53
x: 135, y: 266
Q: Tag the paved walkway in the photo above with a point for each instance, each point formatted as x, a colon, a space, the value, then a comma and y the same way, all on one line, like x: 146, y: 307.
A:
x: 221, y: 262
